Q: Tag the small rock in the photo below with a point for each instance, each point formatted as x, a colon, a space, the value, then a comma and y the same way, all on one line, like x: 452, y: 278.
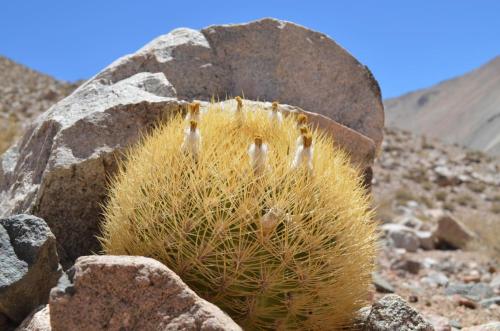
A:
x: 490, y: 301
x: 412, y: 266
x: 429, y: 263
x: 391, y: 313
x: 134, y: 293
x: 381, y: 285
x: 473, y: 277
x: 435, y: 279
x: 455, y: 324
x: 486, y: 278
x: 495, y: 282
x: 446, y: 177
x: 474, y: 292
x: 413, y: 298
x: 412, y: 204
x: 401, y: 236
x: 492, y: 326
x: 448, y: 266
x: 409, y: 221
x: 453, y: 232
x: 465, y: 302
x: 29, y: 266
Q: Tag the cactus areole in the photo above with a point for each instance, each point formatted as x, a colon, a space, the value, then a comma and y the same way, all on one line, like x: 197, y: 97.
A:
x: 269, y: 221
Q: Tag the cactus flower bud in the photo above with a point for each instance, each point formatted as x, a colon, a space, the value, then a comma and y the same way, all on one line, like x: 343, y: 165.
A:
x: 193, y: 112
x: 192, y: 140
x: 258, y: 155
x: 275, y: 114
x: 304, y: 153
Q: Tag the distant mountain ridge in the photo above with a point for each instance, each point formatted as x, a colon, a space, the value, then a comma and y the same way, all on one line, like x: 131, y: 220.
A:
x: 463, y: 110
x: 25, y: 93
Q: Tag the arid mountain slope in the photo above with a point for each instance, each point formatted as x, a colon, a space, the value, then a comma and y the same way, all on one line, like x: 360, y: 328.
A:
x: 25, y: 93
x: 463, y: 110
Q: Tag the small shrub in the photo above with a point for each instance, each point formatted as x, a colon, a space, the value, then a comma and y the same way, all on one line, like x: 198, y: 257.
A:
x: 449, y: 206
x: 465, y: 199
x: 495, y: 208
x: 427, y: 201
x: 476, y: 186
x: 488, y: 232
x: 441, y: 195
x: 403, y: 196
x: 427, y: 185
x: 496, y: 198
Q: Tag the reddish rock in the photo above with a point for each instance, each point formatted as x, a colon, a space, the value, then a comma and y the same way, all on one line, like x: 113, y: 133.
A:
x: 130, y: 293
x: 462, y: 301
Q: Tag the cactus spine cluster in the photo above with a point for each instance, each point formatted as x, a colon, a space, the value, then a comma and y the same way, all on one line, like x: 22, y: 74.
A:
x: 245, y: 224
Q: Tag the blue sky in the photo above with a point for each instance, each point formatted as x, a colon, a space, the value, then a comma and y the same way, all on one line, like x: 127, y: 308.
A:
x: 408, y: 44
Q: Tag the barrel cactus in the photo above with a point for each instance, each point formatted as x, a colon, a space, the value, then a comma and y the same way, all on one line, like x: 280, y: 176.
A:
x: 276, y: 243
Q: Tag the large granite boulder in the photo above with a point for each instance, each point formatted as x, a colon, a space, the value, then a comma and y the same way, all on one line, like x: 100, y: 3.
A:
x: 130, y: 293
x: 267, y: 60
x: 29, y: 266
x: 60, y: 168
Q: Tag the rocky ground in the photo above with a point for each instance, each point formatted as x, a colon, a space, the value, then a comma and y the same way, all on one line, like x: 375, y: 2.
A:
x: 450, y: 274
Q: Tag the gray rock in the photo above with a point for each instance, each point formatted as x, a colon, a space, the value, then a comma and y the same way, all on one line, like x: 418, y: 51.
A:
x: 130, y: 293
x: 59, y: 169
x: 435, y: 279
x: 495, y: 282
x: 391, y: 313
x: 488, y: 302
x: 381, y: 285
x: 400, y: 236
x: 475, y: 292
x: 410, y: 221
x: 29, y: 266
x: 453, y: 232
x: 412, y: 266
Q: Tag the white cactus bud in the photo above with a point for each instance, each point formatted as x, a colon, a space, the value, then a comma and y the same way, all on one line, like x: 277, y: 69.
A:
x: 275, y: 114
x: 300, y: 139
x: 192, y: 140
x: 193, y: 112
x: 304, y: 153
x: 258, y: 155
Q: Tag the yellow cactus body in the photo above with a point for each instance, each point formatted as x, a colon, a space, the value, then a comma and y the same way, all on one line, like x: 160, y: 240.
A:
x: 278, y: 250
